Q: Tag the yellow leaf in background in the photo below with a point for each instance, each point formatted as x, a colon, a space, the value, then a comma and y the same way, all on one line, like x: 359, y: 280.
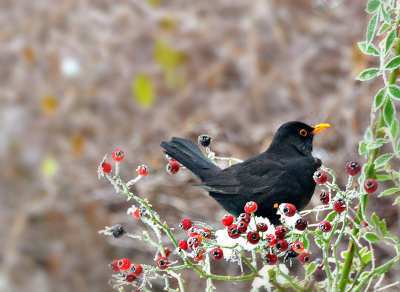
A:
x: 29, y: 55
x: 166, y: 56
x: 167, y: 23
x: 49, y: 104
x: 49, y: 167
x: 154, y: 3
x: 77, y: 143
x: 143, y: 90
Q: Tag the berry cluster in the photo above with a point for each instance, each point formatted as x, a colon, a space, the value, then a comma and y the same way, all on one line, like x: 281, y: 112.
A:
x: 129, y: 271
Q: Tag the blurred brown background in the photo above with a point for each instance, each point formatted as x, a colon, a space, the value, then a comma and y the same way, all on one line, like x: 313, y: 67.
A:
x: 81, y: 78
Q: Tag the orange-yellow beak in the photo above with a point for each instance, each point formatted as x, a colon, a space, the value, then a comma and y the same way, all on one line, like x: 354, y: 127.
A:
x: 319, y: 128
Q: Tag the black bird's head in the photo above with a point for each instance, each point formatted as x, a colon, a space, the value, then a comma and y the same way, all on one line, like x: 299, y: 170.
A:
x: 296, y: 136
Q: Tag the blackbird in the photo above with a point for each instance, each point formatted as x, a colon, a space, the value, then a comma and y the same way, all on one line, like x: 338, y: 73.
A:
x: 281, y: 174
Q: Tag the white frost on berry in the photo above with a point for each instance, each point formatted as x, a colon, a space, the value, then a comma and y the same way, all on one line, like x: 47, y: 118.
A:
x: 100, y: 172
x: 131, y: 210
x: 263, y: 279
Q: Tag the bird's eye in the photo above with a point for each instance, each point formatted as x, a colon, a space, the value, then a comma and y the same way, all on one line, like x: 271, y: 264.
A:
x: 303, y: 132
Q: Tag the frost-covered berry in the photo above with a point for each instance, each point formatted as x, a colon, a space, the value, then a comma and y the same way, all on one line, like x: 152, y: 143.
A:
x: 271, y: 258
x: 114, y: 265
x: 233, y: 232
x: 193, y: 231
x: 197, y: 240
x: 370, y: 185
x: 206, y: 233
x: 106, y: 167
x: 136, y: 269
x: 242, y: 226
x: 304, y: 258
x: 136, y: 213
x: 325, y: 226
x: 339, y: 206
x: 280, y: 231
x: 253, y: 237
x: 270, y: 239
x: 365, y: 223
x: 245, y: 217
x: 250, y: 207
x: 124, y: 264
x: 198, y: 256
x: 190, y: 243
x: 166, y: 252
x: 227, y: 220
x: 130, y: 277
x: 318, y: 162
x: 162, y: 263
x: 324, y: 197
x: 353, y: 167
x: 298, y: 247
x: 183, y: 244
x: 301, y: 224
x: 143, y: 170
x: 117, y: 230
x: 117, y: 155
x: 185, y: 224
x: 262, y: 227
x: 289, y: 210
x: 320, y: 177
x: 217, y: 253
x: 173, y: 167
x: 204, y: 140
x: 281, y: 245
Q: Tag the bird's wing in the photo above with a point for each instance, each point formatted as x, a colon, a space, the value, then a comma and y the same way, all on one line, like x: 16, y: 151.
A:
x: 250, y: 177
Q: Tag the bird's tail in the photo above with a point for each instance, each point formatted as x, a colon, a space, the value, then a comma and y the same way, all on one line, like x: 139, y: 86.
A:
x: 188, y: 154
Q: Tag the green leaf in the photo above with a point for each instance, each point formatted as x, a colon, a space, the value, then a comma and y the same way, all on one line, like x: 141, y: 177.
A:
x: 383, y: 159
x: 394, y: 128
x: 375, y: 219
x: 362, y: 147
x: 397, y: 200
x: 143, y: 90
x: 331, y: 216
x: 384, y: 28
x: 383, y: 177
x: 367, y: 257
x: 371, y: 237
x: 393, y: 64
x: 389, y: 192
x: 379, y: 98
x: 372, y: 6
x: 389, y: 112
x: 305, y: 241
x: 371, y: 28
x: 368, y: 74
x: 377, y: 143
x: 394, y: 90
x: 385, y: 14
x: 368, y: 134
x: 390, y: 40
x: 344, y: 254
x: 311, y: 268
x: 398, y: 146
x: 368, y: 50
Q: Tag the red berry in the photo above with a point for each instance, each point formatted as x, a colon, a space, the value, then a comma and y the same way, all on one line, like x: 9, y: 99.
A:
x: 193, y: 231
x: 245, y: 217
x: 197, y: 240
x: 339, y: 206
x: 136, y: 269
x: 162, y: 263
x: 271, y: 258
x: 190, y: 243
x: 124, y: 264
x: 198, y: 257
x: 289, y: 210
x: 370, y: 185
x: 262, y: 227
x: 253, y: 237
x: 173, y: 167
x: 166, y: 252
x: 114, y: 265
x: 185, y: 224
x: 304, y: 258
x: 301, y: 224
x: 106, y: 167
x: 352, y: 168
x: 324, y: 198
x: 298, y: 247
x: 365, y: 224
x: 217, y: 253
x: 281, y: 245
x: 227, y: 220
x: 136, y: 213
x: 280, y: 231
x: 250, y: 207
x: 325, y: 226
x: 320, y: 177
x: 117, y: 155
x: 233, y: 232
x: 206, y: 233
x: 143, y: 170
x: 130, y: 277
x: 270, y: 239
x: 242, y: 226
x: 183, y: 245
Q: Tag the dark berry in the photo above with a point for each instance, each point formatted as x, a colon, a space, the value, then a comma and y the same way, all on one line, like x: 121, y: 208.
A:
x: 320, y: 177
x: 250, y: 207
x: 262, y: 227
x: 270, y: 240
x: 253, y: 237
x: 117, y: 230
x: 206, y: 233
x: 339, y: 206
x: 324, y: 197
x: 245, y: 217
x: 117, y: 155
x: 280, y: 231
x: 352, y: 168
x: 106, y: 167
x: 318, y: 162
x: 298, y: 247
x: 136, y: 269
x: 217, y: 253
x: 143, y: 170
x: 242, y: 226
x: 185, y: 224
x: 162, y: 263
x: 289, y: 210
x: 227, y: 220
x: 325, y: 226
x: 130, y: 277
x: 204, y: 140
x: 114, y: 265
x: 301, y: 224
x: 271, y: 258
x: 166, y: 252
x: 173, y: 167
x: 183, y: 245
x: 370, y: 185
x: 281, y: 245
x: 142, y: 211
x: 290, y: 253
x: 124, y: 264
x: 233, y: 232
x: 304, y: 258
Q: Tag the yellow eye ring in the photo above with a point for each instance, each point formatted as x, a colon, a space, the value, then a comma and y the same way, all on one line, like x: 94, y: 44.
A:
x: 303, y: 132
